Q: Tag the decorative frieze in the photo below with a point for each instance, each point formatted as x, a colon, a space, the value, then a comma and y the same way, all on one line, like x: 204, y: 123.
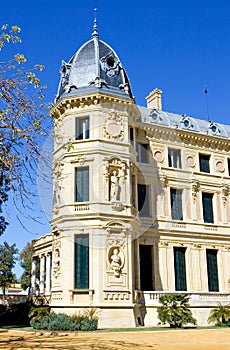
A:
x: 195, y: 189
x: 116, y: 296
x: 225, y: 193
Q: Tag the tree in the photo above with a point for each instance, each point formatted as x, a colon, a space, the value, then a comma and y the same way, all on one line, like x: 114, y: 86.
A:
x: 175, y: 310
x: 25, y: 258
x: 8, y: 257
x: 24, y: 123
x: 220, y: 315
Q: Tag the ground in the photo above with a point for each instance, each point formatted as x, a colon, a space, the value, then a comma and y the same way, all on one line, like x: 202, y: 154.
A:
x: 210, y: 339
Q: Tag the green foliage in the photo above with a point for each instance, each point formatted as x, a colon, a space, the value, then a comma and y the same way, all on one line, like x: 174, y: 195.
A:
x: 8, y: 257
x: 25, y: 258
x: 41, y: 319
x: 39, y: 313
x: 175, y: 310
x: 15, y: 314
x: 220, y: 315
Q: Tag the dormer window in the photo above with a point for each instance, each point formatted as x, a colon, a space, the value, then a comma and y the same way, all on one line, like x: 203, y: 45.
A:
x: 110, y: 62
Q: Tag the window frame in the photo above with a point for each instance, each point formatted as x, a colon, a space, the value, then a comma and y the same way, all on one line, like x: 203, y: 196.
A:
x: 207, y: 217
x: 81, y: 262
x: 204, y: 163
x: 174, y: 210
x: 82, y: 179
x: 144, y: 209
x: 174, y: 158
x: 80, y: 133
x: 212, y: 270
x: 142, y: 152
x: 180, y: 271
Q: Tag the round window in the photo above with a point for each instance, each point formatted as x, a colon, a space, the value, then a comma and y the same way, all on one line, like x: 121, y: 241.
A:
x: 110, y: 62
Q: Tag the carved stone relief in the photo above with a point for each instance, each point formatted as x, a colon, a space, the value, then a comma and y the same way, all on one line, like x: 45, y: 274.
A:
x: 225, y: 193
x: 195, y: 189
x: 113, y: 127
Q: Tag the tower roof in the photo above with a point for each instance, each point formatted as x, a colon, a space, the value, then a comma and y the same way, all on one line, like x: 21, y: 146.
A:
x: 95, y: 66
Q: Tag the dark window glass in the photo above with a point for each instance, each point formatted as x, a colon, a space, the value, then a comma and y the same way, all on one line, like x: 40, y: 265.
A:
x: 207, y: 207
x: 142, y: 151
x: 82, y: 184
x: 204, y: 163
x: 146, y: 267
x: 180, y: 269
x: 82, y: 261
x: 174, y: 158
x: 82, y: 128
x: 213, y: 283
x: 229, y: 166
x: 143, y: 200
x: 176, y: 204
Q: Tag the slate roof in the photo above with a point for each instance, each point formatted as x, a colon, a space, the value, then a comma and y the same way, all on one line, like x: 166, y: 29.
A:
x: 183, y: 122
x: 93, y: 67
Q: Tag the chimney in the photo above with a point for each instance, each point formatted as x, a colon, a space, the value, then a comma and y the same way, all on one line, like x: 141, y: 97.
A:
x: 154, y: 99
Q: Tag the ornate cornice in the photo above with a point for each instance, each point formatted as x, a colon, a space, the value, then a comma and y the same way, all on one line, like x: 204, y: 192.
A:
x: 95, y: 99
x: 188, y: 138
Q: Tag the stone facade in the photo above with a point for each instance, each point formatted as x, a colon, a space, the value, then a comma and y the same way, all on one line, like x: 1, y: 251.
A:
x: 141, y: 205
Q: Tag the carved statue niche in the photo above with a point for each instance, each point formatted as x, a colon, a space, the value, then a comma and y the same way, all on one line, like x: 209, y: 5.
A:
x: 115, y: 187
x: 116, y: 260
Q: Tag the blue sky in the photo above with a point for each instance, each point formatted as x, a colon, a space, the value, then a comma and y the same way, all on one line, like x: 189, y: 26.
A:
x: 181, y: 47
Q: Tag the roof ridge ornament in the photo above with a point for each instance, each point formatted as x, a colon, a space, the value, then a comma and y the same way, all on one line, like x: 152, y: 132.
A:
x: 95, y: 28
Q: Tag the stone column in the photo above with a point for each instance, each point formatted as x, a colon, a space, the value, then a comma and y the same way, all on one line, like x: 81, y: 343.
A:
x: 48, y: 273
x: 42, y: 274
x: 33, y: 275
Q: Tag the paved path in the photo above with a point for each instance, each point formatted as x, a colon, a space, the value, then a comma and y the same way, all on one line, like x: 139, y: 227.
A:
x: 217, y: 339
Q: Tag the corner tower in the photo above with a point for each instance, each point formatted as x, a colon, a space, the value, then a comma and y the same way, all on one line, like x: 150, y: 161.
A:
x: 94, y: 213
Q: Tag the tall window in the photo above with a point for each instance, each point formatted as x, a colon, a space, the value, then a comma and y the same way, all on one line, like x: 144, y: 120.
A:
x: 82, y: 184
x: 176, y: 204
x: 213, y: 283
x: 180, y: 269
x: 131, y: 135
x: 204, y: 160
x: 207, y: 200
x: 143, y: 200
x: 142, y: 152
x: 228, y: 166
x: 174, y: 158
x: 82, y: 128
x: 82, y: 261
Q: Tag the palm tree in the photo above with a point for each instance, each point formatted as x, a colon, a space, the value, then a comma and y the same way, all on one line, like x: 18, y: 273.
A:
x: 220, y: 314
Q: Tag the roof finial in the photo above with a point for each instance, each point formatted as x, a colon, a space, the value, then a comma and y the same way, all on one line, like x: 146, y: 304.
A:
x: 95, y: 32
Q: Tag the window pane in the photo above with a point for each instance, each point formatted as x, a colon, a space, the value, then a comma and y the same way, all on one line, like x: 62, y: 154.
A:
x: 142, y: 153
x: 143, y: 200
x: 213, y: 283
x: 82, y: 128
x: 174, y: 158
x: 82, y: 184
x: 207, y: 207
x: 82, y: 261
x: 180, y: 270
x: 204, y: 163
x: 176, y: 204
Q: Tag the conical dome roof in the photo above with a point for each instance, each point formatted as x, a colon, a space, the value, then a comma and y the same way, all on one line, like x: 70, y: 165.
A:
x: 95, y: 66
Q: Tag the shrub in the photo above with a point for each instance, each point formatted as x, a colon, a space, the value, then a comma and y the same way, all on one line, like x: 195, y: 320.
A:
x: 175, y: 310
x: 15, y: 314
x: 220, y: 315
x: 86, y: 321
x: 37, y: 315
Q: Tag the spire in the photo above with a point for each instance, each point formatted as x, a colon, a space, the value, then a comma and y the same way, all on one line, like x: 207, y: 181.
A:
x: 95, y: 32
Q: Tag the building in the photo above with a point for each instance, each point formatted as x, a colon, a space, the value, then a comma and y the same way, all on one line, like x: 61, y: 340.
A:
x: 141, y: 199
